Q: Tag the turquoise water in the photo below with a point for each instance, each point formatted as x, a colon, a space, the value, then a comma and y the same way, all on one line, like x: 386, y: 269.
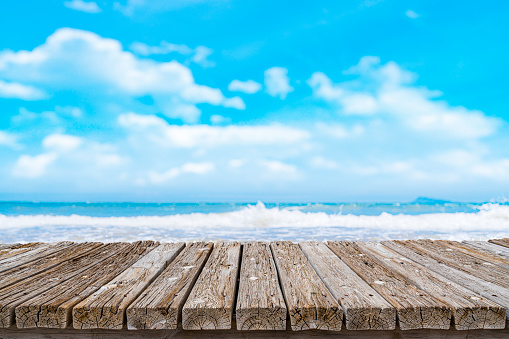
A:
x: 82, y: 221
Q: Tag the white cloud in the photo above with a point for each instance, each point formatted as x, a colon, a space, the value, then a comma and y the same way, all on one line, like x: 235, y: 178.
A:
x: 219, y: 119
x: 33, y: 166
x: 338, y: 131
x: 276, y: 166
x: 207, y: 136
x: 237, y: 163
x: 8, y: 139
x: 323, y: 163
x: 83, y: 6
x: 387, y: 90
x: 190, y: 167
x: 72, y: 59
x: 13, y: 90
x: 61, y: 143
x: 248, y: 86
x: 411, y: 14
x: 198, y: 55
x: 277, y: 83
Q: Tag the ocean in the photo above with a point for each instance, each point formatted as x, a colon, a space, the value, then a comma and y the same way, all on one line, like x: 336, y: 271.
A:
x: 422, y: 218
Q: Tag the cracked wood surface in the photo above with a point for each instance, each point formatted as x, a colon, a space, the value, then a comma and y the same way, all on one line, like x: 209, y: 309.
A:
x: 160, y: 305
x: 260, y: 303
x: 363, y: 307
x: 477, y: 267
x: 106, y: 307
x: 475, y: 252
x: 13, y: 295
x: 11, y: 251
x: 489, y: 247
x: 415, y: 307
x: 7, y: 246
x: 210, y: 303
x: 310, y: 304
x: 53, y: 307
x: 486, y: 289
x: 501, y: 242
x: 469, y: 310
x: 28, y: 254
x: 21, y: 272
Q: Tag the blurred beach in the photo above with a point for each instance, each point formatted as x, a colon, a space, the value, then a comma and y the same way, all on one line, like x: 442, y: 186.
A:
x: 423, y: 218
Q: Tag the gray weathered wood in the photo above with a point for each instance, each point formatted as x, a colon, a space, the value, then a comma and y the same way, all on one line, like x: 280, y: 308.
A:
x: 363, y: 307
x: 21, y: 272
x: 469, y: 310
x: 53, y: 307
x: 39, y: 251
x: 488, y: 290
x: 106, y: 307
x: 210, y: 303
x: 14, y: 295
x: 309, y: 302
x: 160, y: 305
x: 467, y: 263
x: 19, y: 249
x: 7, y: 246
x: 476, y: 252
x: 501, y: 242
x: 260, y: 303
x: 415, y: 308
x: 487, y: 246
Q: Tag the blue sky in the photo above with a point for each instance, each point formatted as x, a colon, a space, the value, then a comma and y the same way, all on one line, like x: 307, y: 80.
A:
x: 223, y: 100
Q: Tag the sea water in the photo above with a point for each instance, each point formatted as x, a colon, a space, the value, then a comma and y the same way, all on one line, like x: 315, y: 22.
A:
x: 423, y: 218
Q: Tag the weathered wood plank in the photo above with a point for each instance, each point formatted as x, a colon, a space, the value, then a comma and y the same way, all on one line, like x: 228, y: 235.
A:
x: 469, y: 310
x: 37, y: 251
x: 160, y: 305
x: 53, y: 307
x: 476, y: 253
x: 210, y: 303
x: 487, y: 246
x: 18, y: 249
x: 106, y: 307
x: 309, y: 302
x: 7, y: 246
x: 415, y: 308
x: 260, y: 303
x: 363, y: 307
x: 21, y: 272
x: 488, y: 290
x: 501, y: 242
x: 14, y: 295
x: 474, y: 266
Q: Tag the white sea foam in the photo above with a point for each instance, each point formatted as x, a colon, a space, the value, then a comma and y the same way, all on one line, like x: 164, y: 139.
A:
x: 492, y: 220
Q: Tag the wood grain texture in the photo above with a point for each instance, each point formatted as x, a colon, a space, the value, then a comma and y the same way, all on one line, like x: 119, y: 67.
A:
x: 106, y: 307
x: 363, y: 307
x: 14, y: 295
x: 53, y: 307
x: 7, y: 246
x: 210, y: 303
x: 469, y: 310
x: 37, y: 251
x: 476, y: 252
x: 160, y: 305
x: 309, y: 302
x: 260, y: 303
x: 415, y: 307
x: 467, y: 263
x: 489, y: 247
x: 486, y: 289
x: 501, y: 242
x: 18, y: 249
x: 27, y: 270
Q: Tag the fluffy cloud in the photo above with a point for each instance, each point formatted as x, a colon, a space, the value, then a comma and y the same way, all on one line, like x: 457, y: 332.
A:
x: 33, y: 166
x: 61, y: 143
x: 411, y: 14
x: 72, y: 59
x: 279, y: 167
x: 191, y: 136
x: 83, y: 6
x: 388, y: 90
x: 248, y: 86
x: 190, y: 167
x: 198, y: 55
x: 7, y: 139
x: 277, y: 83
x: 19, y: 91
